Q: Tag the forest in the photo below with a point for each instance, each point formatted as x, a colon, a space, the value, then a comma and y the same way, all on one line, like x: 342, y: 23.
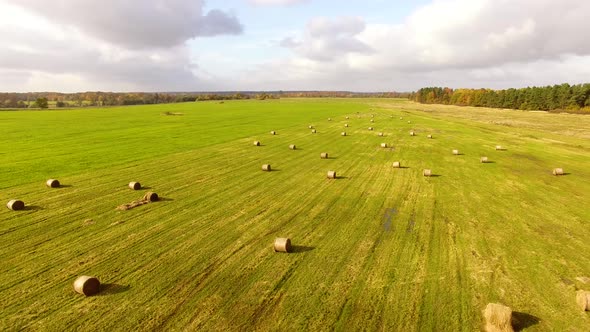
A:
x: 556, y: 98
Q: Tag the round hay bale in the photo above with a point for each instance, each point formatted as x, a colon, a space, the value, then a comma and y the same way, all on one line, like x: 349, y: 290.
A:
x: 292, y: 147
x: 380, y: 134
x: 499, y: 147
x: 372, y: 120
x: 370, y: 128
x: 257, y: 143
x: 151, y: 197
x: 409, y: 121
x: 329, y: 119
x: 331, y: 174
x: 87, y: 285
x: 396, y: 164
x: 273, y: 132
x: 583, y: 300
x: 282, y: 244
x: 135, y: 185
x: 52, y: 183
x: 558, y: 171
x: 266, y: 167
x: 498, y: 318
x: 313, y: 131
x: 343, y: 133
x: 429, y: 136
x: 347, y: 118
x: 324, y: 155
x: 310, y: 127
x: 412, y: 133
x: 456, y: 152
x: 15, y: 205
x: 401, y: 118
x: 383, y: 145
x: 372, y: 115
x: 346, y: 125
x: 427, y: 172
x: 483, y: 160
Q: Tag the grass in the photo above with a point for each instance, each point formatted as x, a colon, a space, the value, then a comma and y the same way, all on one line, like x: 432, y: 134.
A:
x: 377, y: 249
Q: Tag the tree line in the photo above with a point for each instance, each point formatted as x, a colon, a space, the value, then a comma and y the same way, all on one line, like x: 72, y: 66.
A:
x: 563, y: 97
x: 98, y: 99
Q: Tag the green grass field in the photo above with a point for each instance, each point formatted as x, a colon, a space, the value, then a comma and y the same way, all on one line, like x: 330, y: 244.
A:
x: 376, y: 249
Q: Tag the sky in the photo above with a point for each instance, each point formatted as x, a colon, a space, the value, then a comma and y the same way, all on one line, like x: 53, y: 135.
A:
x: 247, y: 45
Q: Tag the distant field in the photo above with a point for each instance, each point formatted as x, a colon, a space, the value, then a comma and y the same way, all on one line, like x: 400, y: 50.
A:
x: 377, y: 249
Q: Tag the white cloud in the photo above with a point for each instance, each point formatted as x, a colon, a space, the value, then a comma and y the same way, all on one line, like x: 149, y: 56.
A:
x: 276, y: 2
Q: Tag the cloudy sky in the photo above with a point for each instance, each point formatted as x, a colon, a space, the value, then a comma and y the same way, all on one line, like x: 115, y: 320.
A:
x: 358, y: 45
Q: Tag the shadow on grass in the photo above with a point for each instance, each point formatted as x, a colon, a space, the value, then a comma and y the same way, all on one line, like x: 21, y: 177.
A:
x: 434, y: 176
x: 64, y: 186
x: 33, y: 208
x: 299, y: 249
x: 489, y: 162
x: 521, y: 320
x: 165, y: 199
x: 111, y: 289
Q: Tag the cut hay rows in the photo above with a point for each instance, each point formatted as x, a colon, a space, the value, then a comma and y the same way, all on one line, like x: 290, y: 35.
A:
x: 148, y: 197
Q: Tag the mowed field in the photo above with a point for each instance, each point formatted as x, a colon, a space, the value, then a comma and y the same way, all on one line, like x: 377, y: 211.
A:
x: 378, y: 249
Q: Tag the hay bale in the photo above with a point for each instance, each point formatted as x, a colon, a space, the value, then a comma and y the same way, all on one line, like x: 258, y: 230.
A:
x: 135, y: 185
x: 266, y: 167
x: 331, y: 174
x: 583, y: 300
x: 558, y: 171
x: 310, y: 127
x: 380, y: 134
x: 347, y: 118
x: 396, y: 164
x: 370, y: 128
x: 428, y: 136
x: 343, y: 133
x: 329, y: 119
x: 456, y: 152
x: 409, y: 121
x: 52, y: 183
x: 499, y: 147
x: 498, y: 318
x: 412, y: 133
x: 313, y: 131
x: 87, y: 285
x: 383, y: 145
x: 292, y: 147
x: 257, y: 143
x: 15, y: 205
x: 282, y: 244
x: 427, y: 172
x: 401, y: 118
x: 346, y: 125
x: 324, y: 155
x: 483, y: 160
x: 273, y: 132
x: 151, y: 197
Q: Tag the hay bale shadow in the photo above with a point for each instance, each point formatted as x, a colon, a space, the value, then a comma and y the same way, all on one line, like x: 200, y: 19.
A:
x: 522, y: 320
x: 564, y: 174
x: 300, y: 249
x: 403, y: 167
x: 33, y: 208
x: 146, y: 188
x: 111, y: 289
x: 434, y: 176
x: 165, y: 199
x: 65, y: 186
